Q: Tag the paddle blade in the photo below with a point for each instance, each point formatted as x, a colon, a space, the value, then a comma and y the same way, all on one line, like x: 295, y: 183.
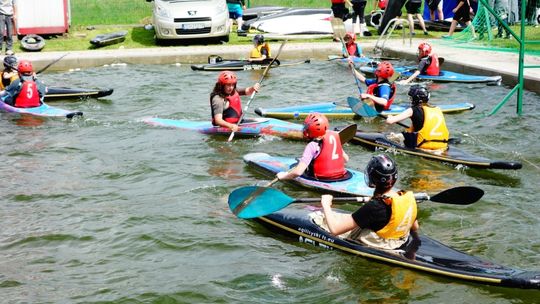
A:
x: 360, y: 108
x: 347, y: 133
x: 252, y: 201
x: 465, y: 195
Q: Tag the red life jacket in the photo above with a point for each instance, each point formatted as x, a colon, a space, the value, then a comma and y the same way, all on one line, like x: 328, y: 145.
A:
x: 329, y: 164
x: 352, y: 50
x: 234, y: 111
x: 28, y: 96
x: 382, y: 4
x: 373, y: 89
x: 338, y: 1
x: 433, y: 68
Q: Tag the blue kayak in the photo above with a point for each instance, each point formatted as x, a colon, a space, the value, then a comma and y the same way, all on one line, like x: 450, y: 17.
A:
x: 420, y: 252
x: 444, y: 76
x: 249, y: 128
x: 337, y: 111
x: 354, y: 185
x: 356, y: 60
x: 44, y: 110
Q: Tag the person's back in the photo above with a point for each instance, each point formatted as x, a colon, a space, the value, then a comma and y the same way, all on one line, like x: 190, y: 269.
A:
x: 261, y: 49
x: 26, y: 91
x: 9, y: 74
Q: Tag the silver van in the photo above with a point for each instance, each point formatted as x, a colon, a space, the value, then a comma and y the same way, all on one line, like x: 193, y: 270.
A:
x: 191, y: 19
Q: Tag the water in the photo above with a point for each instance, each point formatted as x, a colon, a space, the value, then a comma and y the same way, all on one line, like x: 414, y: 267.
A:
x: 108, y: 209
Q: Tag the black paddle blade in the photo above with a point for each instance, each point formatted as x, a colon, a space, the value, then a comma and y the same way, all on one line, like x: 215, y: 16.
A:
x: 465, y: 195
x: 347, y: 133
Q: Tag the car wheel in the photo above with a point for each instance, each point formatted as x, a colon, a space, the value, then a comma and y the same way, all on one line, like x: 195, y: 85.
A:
x: 224, y: 38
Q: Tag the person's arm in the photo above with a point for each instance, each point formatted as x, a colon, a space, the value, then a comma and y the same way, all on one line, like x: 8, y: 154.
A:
x: 310, y: 151
x: 336, y: 225
x: 345, y: 156
x: 218, y: 103
x: 460, y: 4
x: 411, y: 78
x: 218, y: 120
x: 357, y: 74
x: 384, y: 91
x: 391, y: 119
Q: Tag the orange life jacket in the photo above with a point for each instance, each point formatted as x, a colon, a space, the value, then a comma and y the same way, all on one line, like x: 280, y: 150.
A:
x: 330, y: 164
x: 28, y: 96
x: 433, y: 68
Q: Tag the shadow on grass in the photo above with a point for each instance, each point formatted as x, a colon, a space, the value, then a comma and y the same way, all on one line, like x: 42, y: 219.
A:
x: 142, y: 36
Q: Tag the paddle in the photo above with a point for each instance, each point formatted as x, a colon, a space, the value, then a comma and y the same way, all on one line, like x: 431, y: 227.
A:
x: 51, y: 63
x: 254, y: 92
x: 269, y: 200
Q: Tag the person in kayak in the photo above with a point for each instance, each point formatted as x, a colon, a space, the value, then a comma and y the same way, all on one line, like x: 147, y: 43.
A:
x: 353, y: 48
x: 9, y: 74
x: 225, y: 100
x: 387, y: 219
x: 428, y: 130
x: 261, y: 49
x: 27, y: 91
x: 428, y: 63
x: 380, y: 90
x: 323, y: 156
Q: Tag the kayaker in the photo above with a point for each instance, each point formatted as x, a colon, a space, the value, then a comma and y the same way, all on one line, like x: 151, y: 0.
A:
x: 380, y: 90
x: 428, y: 63
x: 428, y: 130
x: 9, y: 74
x: 323, y: 156
x: 387, y: 219
x: 225, y: 100
x: 261, y: 49
x: 33, y: 90
x: 353, y: 48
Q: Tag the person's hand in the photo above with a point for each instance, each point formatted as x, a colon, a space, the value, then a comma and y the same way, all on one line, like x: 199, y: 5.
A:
x: 257, y: 87
x: 326, y: 200
x: 281, y: 175
x: 454, y: 10
x: 234, y: 127
x: 365, y: 96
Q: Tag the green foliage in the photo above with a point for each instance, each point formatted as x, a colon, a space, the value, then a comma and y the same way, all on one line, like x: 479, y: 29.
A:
x: 104, y: 12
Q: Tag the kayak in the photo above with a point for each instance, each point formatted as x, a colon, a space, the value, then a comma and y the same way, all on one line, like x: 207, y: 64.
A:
x: 354, y: 185
x: 337, y: 111
x: 243, y: 65
x: 44, y: 110
x: 454, y: 156
x: 108, y: 39
x: 444, y: 76
x: 65, y: 93
x: 358, y: 61
x: 249, y: 128
x: 419, y: 252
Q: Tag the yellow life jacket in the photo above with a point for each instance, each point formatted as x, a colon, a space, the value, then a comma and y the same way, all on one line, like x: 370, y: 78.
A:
x: 256, y: 51
x: 402, y: 218
x: 434, y: 134
x: 7, y: 81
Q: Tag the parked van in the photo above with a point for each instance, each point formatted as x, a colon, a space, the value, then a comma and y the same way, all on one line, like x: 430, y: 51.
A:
x: 190, y: 19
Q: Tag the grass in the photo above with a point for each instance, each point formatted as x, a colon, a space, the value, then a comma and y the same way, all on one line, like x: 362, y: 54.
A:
x: 93, y: 17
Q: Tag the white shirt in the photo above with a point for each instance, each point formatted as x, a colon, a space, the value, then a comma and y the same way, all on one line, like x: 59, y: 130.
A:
x: 6, y: 7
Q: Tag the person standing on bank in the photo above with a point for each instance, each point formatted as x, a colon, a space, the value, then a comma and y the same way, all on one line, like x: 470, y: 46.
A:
x: 7, y: 18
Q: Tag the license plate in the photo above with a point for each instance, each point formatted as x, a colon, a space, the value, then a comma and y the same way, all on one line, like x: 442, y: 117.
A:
x: 192, y: 26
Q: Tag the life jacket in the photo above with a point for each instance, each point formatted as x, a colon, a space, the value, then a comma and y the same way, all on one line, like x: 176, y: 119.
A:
x: 373, y: 89
x: 433, y: 68
x: 28, y: 96
x: 329, y: 164
x: 233, y: 112
x: 434, y: 134
x: 354, y: 49
x: 402, y: 218
x: 7, y: 81
x: 256, y: 52
x: 338, y: 1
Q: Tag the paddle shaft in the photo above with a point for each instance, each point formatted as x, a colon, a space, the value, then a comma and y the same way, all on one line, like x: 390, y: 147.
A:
x: 51, y: 63
x: 254, y: 92
x: 357, y: 199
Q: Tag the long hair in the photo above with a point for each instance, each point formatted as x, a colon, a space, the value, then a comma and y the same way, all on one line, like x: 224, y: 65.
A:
x: 219, y: 90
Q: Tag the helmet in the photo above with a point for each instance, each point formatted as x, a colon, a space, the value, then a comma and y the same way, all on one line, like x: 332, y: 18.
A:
x: 10, y: 62
x: 384, y: 70
x: 381, y: 172
x: 25, y: 67
x: 418, y: 94
x: 351, y: 36
x: 424, y: 49
x: 227, y: 77
x: 259, y: 39
x: 315, y: 125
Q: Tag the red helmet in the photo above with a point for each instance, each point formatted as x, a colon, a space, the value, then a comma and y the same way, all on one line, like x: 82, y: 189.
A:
x: 424, y: 49
x: 25, y: 67
x: 384, y: 70
x: 315, y: 125
x: 351, y: 36
x: 227, y: 77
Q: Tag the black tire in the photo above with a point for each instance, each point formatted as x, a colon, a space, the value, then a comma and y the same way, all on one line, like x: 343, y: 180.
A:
x: 224, y: 38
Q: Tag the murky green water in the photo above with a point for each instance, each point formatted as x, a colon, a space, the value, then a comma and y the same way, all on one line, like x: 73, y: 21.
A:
x: 106, y: 208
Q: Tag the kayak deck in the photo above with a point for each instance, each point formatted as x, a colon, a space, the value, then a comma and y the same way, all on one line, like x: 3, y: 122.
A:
x: 66, y: 93
x: 355, y: 185
x: 44, y: 110
x: 244, y: 65
x: 249, y: 128
x: 419, y: 253
x: 455, y: 156
x: 337, y: 111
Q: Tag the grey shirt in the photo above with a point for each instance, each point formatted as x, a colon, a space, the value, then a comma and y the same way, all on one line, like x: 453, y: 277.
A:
x: 6, y: 7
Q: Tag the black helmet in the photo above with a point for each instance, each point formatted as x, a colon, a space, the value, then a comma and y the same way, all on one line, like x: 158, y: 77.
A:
x: 259, y: 39
x: 418, y: 94
x: 381, y: 172
x: 10, y: 62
